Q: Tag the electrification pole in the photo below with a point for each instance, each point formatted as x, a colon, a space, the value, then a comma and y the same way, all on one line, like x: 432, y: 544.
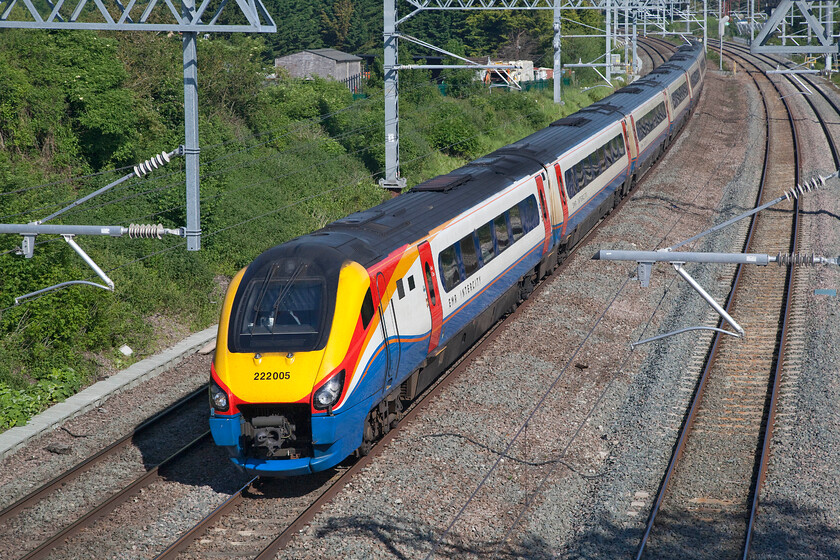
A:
x: 103, y: 15
x: 392, y: 179
x: 558, y: 70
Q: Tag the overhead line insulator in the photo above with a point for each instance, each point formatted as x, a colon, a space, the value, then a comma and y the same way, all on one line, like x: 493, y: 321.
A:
x: 150, y: 164
x: 149, y: 231
x: 803, y: 259
x: 816, y: 183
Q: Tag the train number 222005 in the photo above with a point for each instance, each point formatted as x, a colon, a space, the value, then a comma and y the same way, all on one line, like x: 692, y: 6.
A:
x: 271, y: 375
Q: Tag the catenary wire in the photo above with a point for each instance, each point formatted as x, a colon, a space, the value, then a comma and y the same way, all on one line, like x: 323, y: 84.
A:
x: 373, y: 176
x: 248, y: 220
x: 287, y: 130
x: 548, y: 391
x: 298, y: 148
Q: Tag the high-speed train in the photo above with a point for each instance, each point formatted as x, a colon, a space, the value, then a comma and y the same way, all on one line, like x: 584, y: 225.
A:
x: 323, y: 338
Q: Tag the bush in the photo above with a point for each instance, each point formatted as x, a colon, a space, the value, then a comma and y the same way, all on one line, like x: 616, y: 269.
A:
x: 277, y: 161
x: 453, y: 132
x: 19, y: 405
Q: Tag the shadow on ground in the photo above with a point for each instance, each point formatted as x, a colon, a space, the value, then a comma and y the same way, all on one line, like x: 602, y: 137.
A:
x: 784, y: 531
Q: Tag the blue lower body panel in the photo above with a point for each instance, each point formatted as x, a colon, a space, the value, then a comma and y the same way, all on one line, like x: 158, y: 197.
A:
x: 226, y: 429
x: 333, y: 439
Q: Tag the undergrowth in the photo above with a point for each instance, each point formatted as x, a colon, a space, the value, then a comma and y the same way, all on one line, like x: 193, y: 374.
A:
x: 273, y: 167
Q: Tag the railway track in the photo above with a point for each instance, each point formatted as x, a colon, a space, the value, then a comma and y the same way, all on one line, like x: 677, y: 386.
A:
x: 241, y: 524
x: 654, y: 54
x: 707, y: 504
x: 34, y: 544
x: 236, y: 516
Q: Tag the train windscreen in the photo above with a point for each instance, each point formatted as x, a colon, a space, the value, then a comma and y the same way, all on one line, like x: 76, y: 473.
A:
x: 282, y: 310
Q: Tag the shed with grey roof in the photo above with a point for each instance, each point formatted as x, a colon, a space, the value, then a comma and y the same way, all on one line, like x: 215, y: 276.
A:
x: 324, y: 63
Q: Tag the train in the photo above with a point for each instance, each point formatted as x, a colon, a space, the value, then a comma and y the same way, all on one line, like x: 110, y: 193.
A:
x: 323, y: 339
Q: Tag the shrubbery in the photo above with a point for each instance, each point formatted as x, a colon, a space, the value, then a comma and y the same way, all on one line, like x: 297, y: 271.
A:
x: 18, y: 405
x: 277, y: 161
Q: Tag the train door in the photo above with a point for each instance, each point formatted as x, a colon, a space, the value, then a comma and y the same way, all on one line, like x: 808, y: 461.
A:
x: 563, y: 200
x: 390, y: 329
x: 432, y: 295
x: 545, y: 214
x: 669, y: 111
x: 632, y: 144
x: 692, y: 92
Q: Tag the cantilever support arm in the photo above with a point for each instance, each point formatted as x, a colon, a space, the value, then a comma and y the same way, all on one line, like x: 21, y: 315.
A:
x: 710, y: 300
x: 646, y: 259
x: 109, y: 284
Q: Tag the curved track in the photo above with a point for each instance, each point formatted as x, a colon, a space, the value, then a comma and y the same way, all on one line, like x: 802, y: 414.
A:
x: 708, y: 500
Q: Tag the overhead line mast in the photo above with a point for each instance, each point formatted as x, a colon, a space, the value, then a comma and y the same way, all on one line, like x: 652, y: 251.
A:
x: 643, y: 9
x: 155, y: 16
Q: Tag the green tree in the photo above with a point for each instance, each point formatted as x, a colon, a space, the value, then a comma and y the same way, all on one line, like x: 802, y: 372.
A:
x: 231, y: 73
x: 365, y: 33
x: 336, y: 22
x: 298, y: 26
x: 514, y: 34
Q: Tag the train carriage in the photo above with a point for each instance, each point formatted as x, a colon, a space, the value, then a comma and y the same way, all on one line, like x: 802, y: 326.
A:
x: 652, y: 123
x: 321, y: 339
x: 686, y: 60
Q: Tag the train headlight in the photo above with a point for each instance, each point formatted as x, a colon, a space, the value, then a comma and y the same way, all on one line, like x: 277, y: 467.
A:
x: 218, y: 398
x: 327, y: 395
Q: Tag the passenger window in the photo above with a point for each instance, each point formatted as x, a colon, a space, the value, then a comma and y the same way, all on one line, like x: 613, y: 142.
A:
x: 570, y: 182
x: 485, y: 243
x: 515, y: 223
x: 530, y: 213
x: 448, y: 264
x: 410, y: 282
x: 502, y: 238
x: 430, y: 282
x: 400, y: 288
x: 592, y: 168
x: 468, y: 255
x: 367, y: 309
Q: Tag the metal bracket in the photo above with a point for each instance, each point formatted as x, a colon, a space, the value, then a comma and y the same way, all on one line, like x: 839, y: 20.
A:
x: 646, y: 259
x: 99, y: 272
x: 396, y: 185
x: 643, y: 273
x: 27, y: 246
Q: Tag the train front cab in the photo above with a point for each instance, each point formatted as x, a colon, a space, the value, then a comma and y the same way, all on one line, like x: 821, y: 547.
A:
x: 290, y: 336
